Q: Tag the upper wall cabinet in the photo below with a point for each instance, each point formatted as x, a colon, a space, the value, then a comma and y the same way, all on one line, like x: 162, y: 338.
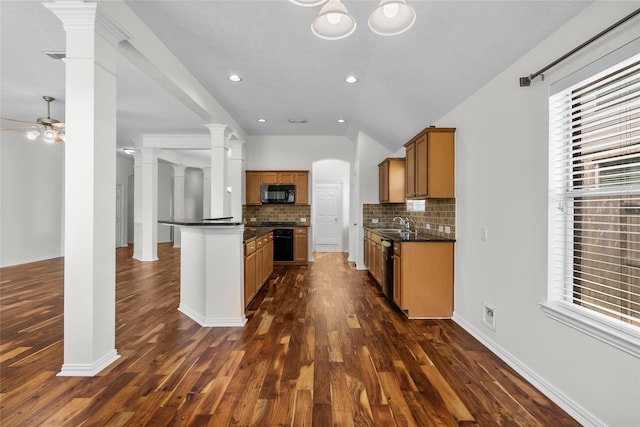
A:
x: 430, y: 164
x: 255, y: 179
x: 391, y: 178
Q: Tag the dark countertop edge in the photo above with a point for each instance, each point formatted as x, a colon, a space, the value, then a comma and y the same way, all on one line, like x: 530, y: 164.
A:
x: 200, y: 223
x: 298, y: 224
x: 421, y: 237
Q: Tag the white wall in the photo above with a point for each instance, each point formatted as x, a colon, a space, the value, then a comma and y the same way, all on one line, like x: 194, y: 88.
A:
x: 295, y: 152
x: 165, y: 200
x: 501, y: 183
x: 32, y: 199
x: 368, y: 153
x: 193, y: 186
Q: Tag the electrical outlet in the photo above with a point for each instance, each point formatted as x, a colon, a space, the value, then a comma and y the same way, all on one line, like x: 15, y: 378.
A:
x: 484, y: 233
x: 252, y: 220
x: 428, y: 226
x: 489, y: 316
x: 303, y: 219
x: 374, y: 220
x: 440, y: 228
x: 447, y: 229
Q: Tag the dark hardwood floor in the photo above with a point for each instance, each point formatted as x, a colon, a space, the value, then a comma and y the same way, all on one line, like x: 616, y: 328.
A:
x: 322, y: 347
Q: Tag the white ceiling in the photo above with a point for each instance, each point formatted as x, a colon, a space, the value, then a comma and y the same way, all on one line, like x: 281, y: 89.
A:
x: 406, y: 82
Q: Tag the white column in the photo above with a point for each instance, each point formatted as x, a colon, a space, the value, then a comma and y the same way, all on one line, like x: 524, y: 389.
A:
x: 235, y: 173
x: 206, y: 192
x: 178, y: 200
x: 145, y: 239
x: 219, y: 162
x: 90, y: 182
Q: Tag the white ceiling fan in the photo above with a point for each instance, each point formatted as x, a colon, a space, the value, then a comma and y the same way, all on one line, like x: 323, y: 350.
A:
x: 51, y: 130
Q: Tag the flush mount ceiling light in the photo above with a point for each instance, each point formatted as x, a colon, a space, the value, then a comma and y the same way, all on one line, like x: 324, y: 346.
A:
x: 351, y: 79
x: 390, y: 18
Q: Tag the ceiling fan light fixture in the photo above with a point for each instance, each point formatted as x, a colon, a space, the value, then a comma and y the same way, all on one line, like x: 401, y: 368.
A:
x: 50, y: 135
x: 307, y: 3
x: 392, y: 17
x: 33, y: 134
x: 333, y: 22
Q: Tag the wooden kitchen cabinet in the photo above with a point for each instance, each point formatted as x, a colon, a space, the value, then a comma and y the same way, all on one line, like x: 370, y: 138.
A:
x: 300, y: 245
x: 373, y: 255
x: 277, y: 177
x: 301, y: 181
x: 255, y: 179
x: 430, y: 164
x: 391, y: 181
x: 423, y: 276
x: 397, y: 274
x: 267, y: 265
x: 249, y: 271
x: 253, y: 187
x: 259, y: 279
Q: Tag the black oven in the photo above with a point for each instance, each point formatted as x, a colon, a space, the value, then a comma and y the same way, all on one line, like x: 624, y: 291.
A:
x: 271, y: 193
x: 283, y: 244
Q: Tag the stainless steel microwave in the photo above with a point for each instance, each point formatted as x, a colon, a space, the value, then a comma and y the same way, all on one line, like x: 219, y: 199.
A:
x: 277, y: 194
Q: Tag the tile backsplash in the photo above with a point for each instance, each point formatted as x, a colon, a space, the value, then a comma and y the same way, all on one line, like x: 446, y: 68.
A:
x: 275, y: 213
x: 438, y: 213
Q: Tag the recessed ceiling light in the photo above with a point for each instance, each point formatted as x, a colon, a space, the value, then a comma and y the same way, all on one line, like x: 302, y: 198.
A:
x: 262, y: 120
x: 340, y: 120
x: 235, y: 78
x: 351, y: 79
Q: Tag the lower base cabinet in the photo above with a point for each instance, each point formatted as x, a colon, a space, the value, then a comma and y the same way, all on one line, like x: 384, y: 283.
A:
x: 423, y: 279
x: 258, y: 265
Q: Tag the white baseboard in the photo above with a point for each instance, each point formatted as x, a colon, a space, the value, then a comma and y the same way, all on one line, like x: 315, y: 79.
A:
x: 578, y: 412
x: 208, y: 322
x: 88, y: 369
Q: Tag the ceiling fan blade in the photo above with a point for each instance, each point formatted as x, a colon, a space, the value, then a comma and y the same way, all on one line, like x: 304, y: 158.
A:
x: 16, y: 120
x: 20, y: 127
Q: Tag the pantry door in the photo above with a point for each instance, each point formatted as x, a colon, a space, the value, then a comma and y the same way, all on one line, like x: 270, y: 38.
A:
x: 328, y: 217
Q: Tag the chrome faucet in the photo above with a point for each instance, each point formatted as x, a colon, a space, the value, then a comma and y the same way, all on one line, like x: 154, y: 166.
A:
x: 404, y: 222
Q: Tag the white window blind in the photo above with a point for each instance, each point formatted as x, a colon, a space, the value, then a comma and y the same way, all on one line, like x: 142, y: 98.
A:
x: 595, y: 196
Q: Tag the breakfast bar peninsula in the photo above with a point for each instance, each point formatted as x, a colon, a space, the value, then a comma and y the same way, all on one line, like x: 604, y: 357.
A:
x: 211, y: 271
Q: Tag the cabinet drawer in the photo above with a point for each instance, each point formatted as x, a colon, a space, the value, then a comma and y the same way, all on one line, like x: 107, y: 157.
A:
x: 258, y: 242
x: 396, y: 248
x: 301, y: 231
x: 250, y: 247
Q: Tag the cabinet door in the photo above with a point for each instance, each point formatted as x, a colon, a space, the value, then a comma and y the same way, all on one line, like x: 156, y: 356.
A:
x: 410, y: 170
x: 300, y: 245
x: 259, y: 265
x: 285, y: 178
x: 301, y: 181
x: 270, y: 177
x: 421, y: 170
x: 397, y: 279
x: 441, y: 165
x: 267, y: 259
x: 383, y: 182
x: 249, y: 278
x: 253, y: 183
x: 377, y: 262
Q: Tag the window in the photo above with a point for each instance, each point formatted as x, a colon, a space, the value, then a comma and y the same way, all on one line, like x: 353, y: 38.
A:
x: 594, y: 210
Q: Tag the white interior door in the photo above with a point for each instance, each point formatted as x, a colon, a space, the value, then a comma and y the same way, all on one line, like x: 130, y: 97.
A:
x: 328, y: 223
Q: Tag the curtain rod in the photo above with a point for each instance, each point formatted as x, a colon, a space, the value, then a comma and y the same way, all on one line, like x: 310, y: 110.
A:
x: 526, y: 81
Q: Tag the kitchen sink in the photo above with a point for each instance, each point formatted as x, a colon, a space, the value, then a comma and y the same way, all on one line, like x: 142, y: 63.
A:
x: 389, y: 230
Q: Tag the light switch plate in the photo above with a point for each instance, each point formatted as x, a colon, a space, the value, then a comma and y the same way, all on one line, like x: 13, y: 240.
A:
x: 252, y: 220
x: 374, y: 220
x: 303, y: 219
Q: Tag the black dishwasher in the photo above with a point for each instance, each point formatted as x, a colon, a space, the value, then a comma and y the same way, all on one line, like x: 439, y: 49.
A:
x: 283, y: 244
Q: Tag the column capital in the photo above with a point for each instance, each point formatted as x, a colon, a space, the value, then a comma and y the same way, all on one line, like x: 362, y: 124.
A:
x: 178, y: 170
x: 77, y: 15
x: 237, y: 150
x: 217, y: 128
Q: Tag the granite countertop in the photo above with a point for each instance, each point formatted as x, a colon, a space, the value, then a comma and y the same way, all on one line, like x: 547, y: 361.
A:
x: 253, y: 232
x: 409, y: 237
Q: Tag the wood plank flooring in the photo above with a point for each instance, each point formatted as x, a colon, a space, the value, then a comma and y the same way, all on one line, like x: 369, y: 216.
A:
x: 321, y: 348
